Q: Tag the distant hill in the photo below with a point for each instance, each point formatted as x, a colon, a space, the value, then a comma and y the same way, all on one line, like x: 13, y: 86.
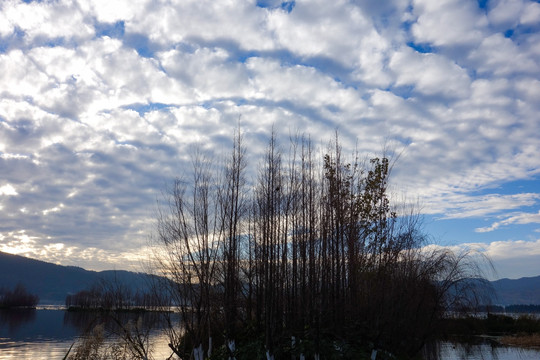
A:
x: 522, y: 291
x: 53, y: 282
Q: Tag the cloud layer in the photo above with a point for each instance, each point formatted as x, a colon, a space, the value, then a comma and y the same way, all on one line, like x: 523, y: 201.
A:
x: 100, y: 102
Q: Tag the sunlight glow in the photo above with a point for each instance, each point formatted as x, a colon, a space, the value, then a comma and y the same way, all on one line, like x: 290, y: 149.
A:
x: 17, y: 243
x: 8, y: 190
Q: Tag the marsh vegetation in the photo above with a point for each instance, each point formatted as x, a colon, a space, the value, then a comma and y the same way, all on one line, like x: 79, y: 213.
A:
x: 19, y: 297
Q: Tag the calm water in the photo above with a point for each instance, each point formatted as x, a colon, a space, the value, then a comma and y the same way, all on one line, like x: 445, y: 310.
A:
x: 485, y: 351
x: 46, y: 334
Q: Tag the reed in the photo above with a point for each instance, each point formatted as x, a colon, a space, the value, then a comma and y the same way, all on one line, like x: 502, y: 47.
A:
x: 522, y: 340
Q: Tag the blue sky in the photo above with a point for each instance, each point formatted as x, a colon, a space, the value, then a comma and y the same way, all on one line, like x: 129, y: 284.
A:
x: 100, y: 102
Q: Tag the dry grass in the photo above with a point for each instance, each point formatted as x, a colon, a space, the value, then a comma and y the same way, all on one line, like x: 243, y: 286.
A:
x: 521, y: 340
x: 96, y: 346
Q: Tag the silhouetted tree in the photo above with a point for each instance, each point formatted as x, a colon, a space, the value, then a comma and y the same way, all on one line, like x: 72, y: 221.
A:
x: 311, y: 258
x: 18, y: 297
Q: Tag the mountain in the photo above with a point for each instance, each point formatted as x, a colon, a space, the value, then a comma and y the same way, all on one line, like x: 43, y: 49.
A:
x: 523, y: 291
x: 53, y: 282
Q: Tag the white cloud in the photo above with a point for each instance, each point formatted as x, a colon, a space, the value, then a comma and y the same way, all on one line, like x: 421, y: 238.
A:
x: 48, y: 20
x: 370, y: 65
x: 16, y: 242
x: 6, y: 27
x: 99, y: 123
x: 98, y: 76
x: 458, y: 206
x: 509, y: 259
x: 21, y: 77
x: 208, y: 72
x: 233, y: 22
x: 301, y: 85
x: 529, y: 88
x: 520, y: 218
x: 448, y: 23
x: 53, y: 210
x: 430, y: 74
x: 505, y: 13
x: 323, y: 29
x: 8, y: 190
x: 490, y: 94
x: 499, y: 55
x: 531, y: 14
x: 111, y: 11
x: 514, y: 259
x: 22, y: 244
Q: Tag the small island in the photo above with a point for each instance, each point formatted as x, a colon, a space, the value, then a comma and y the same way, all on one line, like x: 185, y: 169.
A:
x: 19, y: 297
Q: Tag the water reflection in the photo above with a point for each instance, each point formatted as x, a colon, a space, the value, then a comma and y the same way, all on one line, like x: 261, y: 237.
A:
x: 85, y: 321
x: 15, y: 318
x: 22, y: 325
x: 481, y: 349
x: 48, y: 334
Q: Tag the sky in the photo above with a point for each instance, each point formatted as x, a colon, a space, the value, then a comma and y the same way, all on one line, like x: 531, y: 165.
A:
x: 101, y: 102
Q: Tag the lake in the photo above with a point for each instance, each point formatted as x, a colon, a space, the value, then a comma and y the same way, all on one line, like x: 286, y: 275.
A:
x: 47, y: 333
x: 484, y: 350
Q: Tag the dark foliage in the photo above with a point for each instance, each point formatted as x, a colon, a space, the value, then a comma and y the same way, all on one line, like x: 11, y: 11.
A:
x: 113, y: 295
x: 312, y: 259
x: 18, y: 297
x: 491, y: 324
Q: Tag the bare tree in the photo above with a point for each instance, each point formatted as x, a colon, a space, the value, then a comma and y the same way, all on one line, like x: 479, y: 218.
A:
x: 188, y: 233
x: 233, y: 208
x: 313, y: 252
